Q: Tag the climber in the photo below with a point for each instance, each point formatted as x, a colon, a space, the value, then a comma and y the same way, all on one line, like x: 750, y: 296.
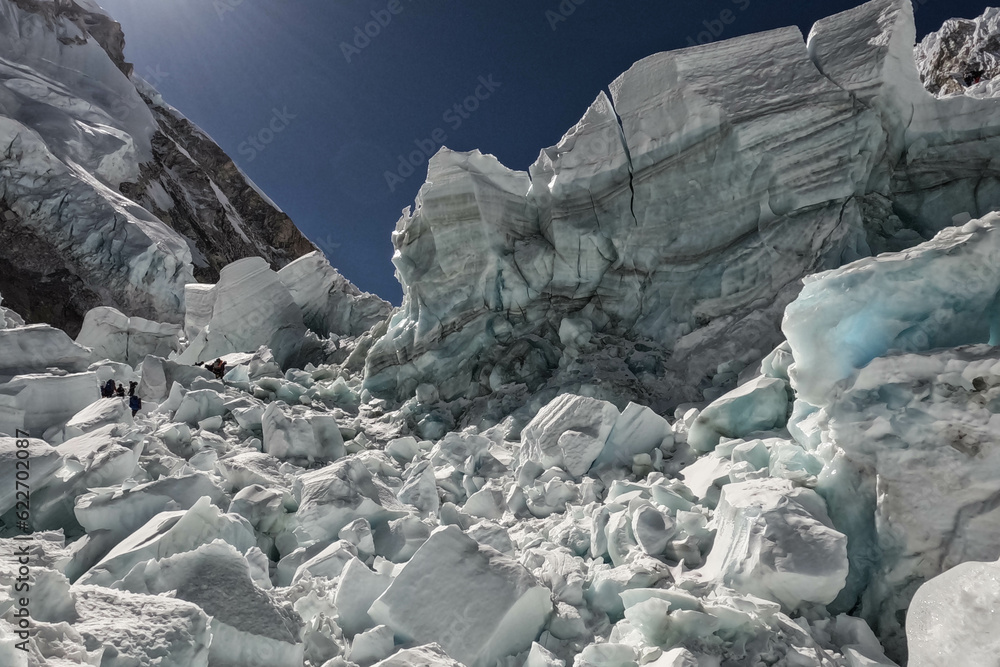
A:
x: 973, y: 75
x: 120, y: 392
x: 135, y: 403
x: 219, y: 368
x: 131, y: 388
x: 108, y: 390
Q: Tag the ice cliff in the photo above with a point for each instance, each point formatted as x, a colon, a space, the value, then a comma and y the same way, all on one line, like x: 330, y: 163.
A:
x: 684, y: 208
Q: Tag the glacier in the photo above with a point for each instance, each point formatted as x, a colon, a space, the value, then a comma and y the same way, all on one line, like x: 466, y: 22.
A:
x: 617, y: 224
x: 99, y: 171
x: 713, y: 383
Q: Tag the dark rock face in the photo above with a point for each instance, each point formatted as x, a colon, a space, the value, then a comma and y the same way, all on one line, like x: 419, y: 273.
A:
x: 36, y: 283
x: 241, y: 223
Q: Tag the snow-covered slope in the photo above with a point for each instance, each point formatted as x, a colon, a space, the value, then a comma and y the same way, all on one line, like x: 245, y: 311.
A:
x: 683, y: 209
x: 108, y: 196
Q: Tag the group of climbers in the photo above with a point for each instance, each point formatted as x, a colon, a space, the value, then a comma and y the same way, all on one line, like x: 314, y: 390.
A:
x: 109, y: 390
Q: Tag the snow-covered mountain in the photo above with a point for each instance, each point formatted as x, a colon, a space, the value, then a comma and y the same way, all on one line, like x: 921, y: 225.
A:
x: 714, y: 384
x: 109, y: 196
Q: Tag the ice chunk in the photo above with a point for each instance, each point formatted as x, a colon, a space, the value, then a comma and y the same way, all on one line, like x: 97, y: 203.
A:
x: 920, y: 470
x: 8, y: 318
x: 359, y: 533
x: 371, y: 646
x: 638, y: 430
x: 171, y: 533
x: 34, y: 403
x: 159, y: 375
x: 420, y: 488
x: 103, y: 457
x: 608, y: 655
x: 334, y: 496
x: 477, y: 604
x: 492, y: 535
x: 570, y: 432
x: 681, y: 657
x: 38, y: 461
x: 248, y: 468
x: 399, y: 539
x: 34, y: 348
x: 199, y: 301
x: 539, y: 656
x: 652, y: 529
x: 403, y: 449
x: 199, y: 405
x: 858, y: 643
x: 113, y: 335
x: 98, y: 415
x: 263, y: 508
x: 329, y: 302
x: 142, y: 630
x: 758, y: 405
x: 776, y: 541
x: 249, y: 628
x: 487, y: 503
x: 252, y: 308
x: 329, y: 562
x: 955, y: 618
x: 706, y: 476
x: 939, y: 294
x: 124, y: 510
x: 428, y: 655
x: 296, y: 432
x: 359, y: 588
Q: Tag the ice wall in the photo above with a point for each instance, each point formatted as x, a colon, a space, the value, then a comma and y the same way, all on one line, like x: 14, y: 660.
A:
x: 684, y: 208
x: 894, y: 393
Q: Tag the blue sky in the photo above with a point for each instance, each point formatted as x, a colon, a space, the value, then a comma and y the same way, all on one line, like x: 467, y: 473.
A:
x: 317, y: 99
